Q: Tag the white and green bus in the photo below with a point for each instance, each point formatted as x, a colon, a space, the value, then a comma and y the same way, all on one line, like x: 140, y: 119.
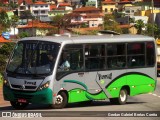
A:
x: 100, y: 67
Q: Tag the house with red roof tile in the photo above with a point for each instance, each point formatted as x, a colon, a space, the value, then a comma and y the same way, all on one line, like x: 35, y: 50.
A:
x: 86, y: 15
x: 108, y: 6
x: 38, y: 8
x: 3, y: 40
x: 60, y: 9
x: 123, y: 3
x: 36, y: 28
x: 4, y: 1
x: 23, y: 5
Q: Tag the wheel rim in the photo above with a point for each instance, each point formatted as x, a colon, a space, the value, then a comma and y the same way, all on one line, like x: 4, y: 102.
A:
x: 123, y: 96
x: 59, y: 99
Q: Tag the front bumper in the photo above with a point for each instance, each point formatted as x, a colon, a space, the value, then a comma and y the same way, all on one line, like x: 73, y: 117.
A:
x: 42, y: 96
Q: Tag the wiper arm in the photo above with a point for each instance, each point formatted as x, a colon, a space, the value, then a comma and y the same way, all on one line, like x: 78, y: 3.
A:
x: 17, y: 68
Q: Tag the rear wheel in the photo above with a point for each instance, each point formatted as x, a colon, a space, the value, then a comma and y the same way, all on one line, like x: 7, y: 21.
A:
x: 18, y: 105
x: 122, y: 99
x: 61, y: 101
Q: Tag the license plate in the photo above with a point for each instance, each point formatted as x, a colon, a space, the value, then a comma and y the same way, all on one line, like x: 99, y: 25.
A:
x: 22, y: 100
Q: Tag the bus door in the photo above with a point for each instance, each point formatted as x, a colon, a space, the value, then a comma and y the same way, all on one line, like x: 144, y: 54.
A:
x: 71, y: 72
x: 94, y: 63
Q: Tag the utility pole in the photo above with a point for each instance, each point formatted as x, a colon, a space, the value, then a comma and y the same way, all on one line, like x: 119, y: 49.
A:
x: 152, y: 4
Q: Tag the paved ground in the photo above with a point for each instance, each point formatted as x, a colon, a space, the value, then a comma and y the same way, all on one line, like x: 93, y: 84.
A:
x: 2, y: 102
x: 145, y: 102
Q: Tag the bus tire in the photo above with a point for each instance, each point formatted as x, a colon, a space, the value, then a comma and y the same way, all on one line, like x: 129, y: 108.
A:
x: 122, y: 99
x: 18, y: 105
x: 61, y: 101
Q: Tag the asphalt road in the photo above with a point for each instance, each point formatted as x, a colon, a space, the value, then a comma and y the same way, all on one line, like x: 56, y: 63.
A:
x: 145, y: 102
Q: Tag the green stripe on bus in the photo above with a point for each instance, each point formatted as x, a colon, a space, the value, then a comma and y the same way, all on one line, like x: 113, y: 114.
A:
x: 77, y: 95
x: 137, y: 84
x: 77, y: 82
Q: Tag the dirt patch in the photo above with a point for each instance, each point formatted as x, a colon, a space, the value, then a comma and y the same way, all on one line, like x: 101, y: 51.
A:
x: 2, y: 101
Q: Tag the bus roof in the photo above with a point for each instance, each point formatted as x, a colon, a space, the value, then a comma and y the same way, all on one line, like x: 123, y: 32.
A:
x: 92, y: 38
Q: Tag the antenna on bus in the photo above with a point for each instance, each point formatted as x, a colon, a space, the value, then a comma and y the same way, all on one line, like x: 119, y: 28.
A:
x: 109, y: 32
x: 67, y: 34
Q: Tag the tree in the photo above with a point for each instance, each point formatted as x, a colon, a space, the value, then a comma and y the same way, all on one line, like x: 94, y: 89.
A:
x: 57, y: 19
x: 7, y: 48
x: 111, y: 24
x: 12, y: 5
x: 5, y: 51
x: 4, y: 21
x: 23, y: 34
x: 26, y: 15
x: 61, y: 21
x: 139, y: 24
x: 14, y: 21
x: 150, y: 28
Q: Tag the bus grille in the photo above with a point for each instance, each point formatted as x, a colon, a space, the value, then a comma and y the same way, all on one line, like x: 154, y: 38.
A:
x: 26, y: 87
x: 20, y: 96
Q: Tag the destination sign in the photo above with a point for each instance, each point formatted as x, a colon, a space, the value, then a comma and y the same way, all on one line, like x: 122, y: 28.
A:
x: 33, y: 46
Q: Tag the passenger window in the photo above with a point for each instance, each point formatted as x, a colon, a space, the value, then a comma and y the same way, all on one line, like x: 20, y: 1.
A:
x: 115, y: 49
x: 71, y: 60
x: 94, y: 57
x: 136, y: 56
x: 116, y: 56
x: 150, y: 54
x: 135, y: 48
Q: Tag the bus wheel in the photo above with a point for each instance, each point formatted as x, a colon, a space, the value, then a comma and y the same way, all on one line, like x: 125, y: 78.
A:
x: 122, y: 99
x: 61, y: 101
x: 18, y: 105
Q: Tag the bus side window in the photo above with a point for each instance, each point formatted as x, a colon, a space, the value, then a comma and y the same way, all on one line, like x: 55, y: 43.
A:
x: 116, y: 56
x: 136, y: 56
x: 74, y: 57
x: 150, y: 53
x: 95, y: 56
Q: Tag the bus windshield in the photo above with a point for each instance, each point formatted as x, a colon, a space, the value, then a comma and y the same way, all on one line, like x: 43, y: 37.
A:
x: 33, y: 57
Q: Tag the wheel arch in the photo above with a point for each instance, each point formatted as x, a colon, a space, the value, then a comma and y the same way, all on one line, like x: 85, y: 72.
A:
x: 66, y: 92
x: 127, y: 88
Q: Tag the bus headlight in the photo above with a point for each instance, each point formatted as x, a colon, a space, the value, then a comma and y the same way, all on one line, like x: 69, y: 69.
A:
x: 5, y: 82
x: 46, y: 85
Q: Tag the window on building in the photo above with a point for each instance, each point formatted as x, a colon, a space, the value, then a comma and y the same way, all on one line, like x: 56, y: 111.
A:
x: 111, y: 9
x: 106, y: 10
x: 43, y: 11
x: 35, y: 12
x: 127, y: 11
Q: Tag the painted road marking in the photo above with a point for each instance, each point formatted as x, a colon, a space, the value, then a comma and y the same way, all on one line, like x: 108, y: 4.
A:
x: 154, y: 94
